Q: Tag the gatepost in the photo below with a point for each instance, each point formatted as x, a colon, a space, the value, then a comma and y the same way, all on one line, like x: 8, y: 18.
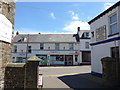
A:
x: 31, y: 72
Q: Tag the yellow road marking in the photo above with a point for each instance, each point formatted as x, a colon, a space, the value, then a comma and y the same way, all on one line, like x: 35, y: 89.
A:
x: 62, y: 74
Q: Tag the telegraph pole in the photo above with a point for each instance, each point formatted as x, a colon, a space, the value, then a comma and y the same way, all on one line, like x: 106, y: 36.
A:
x: 26, y: 60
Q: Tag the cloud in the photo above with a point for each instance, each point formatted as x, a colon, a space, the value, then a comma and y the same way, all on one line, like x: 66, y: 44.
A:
x: 107, y: 5
x: 74, y: 16
x: 72, y: 26
x: 52, y: 15
x: 75, y: 22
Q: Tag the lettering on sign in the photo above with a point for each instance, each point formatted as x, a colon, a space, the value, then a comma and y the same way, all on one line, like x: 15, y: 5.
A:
x: 101, y: 33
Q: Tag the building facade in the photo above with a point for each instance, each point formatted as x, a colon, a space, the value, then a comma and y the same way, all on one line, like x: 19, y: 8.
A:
x: 7, y: 12
x: 105, y: 36
x: 56, y: 49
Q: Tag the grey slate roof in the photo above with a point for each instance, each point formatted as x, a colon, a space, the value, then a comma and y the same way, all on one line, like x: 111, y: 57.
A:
x: 45, y: 38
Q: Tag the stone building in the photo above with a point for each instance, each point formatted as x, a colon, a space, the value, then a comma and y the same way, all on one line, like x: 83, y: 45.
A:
x: 7, y: 13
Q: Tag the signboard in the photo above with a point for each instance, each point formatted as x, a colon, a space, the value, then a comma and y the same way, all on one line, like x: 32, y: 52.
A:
x: 5, y: 29
x: 101, y: 33
x: 40, y: 80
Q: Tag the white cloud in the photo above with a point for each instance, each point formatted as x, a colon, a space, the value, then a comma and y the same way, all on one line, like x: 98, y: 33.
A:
x: 107, y: 5
x: 75, y: 22
x: 72, y: 26
x: 74, y: 16
x: 52, y: 15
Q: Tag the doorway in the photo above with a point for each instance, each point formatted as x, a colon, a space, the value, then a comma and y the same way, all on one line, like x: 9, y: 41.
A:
x: 68, y: 60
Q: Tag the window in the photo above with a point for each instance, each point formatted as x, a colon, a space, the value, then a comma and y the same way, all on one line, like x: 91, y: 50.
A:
x: 56, y: 46
x: 113, y: 24
x: 71, y: 46
x: 15, y: 49
x: 87, y: 34
x: 63, y: 48
x: 48, y: 48
x: 41, y: 46
x: 29, y: 49
x: 87, y: 45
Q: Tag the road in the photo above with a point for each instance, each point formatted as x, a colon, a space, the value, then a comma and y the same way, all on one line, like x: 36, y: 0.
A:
x: 68, y: 77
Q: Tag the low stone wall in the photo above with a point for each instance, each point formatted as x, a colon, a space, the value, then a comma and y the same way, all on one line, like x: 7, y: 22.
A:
x: 14, y: 75
x: 111, y: 72
x: 21, y: 75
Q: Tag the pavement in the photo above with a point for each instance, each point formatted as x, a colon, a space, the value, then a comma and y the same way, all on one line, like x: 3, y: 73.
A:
x: 69, y: 77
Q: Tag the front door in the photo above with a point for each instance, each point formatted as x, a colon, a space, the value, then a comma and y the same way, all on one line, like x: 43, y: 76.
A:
x: 68, y: 60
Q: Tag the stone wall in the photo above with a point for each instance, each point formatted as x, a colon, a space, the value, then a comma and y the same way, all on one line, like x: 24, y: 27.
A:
x: 21, y: 75
x: 111, y: 72
x: 14, y: 75
x: 8, y: 9
x: 5, y: 58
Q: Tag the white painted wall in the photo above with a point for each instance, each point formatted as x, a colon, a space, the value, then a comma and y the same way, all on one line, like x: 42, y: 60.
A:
x: 82, y: 45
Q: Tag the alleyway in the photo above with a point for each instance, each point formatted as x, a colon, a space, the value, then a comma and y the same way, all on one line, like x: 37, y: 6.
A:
x: 68, y: 77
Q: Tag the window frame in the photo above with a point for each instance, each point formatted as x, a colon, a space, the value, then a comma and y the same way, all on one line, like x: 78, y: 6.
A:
x: 71, y: 46
x: 41, y: 46
x: 87, y: 45
x: 113, y: 23
x: 57, y: 46
x: 15, y: 49
x: 29, y: 49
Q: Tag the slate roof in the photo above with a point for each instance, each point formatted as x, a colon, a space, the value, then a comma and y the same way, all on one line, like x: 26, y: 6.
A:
x: 45, y: 38
x: 105, y: 12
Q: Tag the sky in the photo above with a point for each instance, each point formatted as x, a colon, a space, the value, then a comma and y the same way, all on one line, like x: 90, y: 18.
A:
x: 56, y: 17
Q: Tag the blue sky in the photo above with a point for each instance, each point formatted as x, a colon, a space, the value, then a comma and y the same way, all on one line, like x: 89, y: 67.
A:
x: 56, y: 17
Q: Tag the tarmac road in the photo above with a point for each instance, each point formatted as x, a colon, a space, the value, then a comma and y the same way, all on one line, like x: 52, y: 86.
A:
x: 72, y: 77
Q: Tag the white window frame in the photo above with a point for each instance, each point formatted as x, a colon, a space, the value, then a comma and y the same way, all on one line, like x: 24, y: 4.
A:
x: 87, y: 45
x: 57, y: 46
x: 71, y: 46
x: 110, y: 24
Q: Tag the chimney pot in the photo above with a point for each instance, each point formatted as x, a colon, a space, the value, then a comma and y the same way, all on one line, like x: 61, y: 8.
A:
x: 78, y: 28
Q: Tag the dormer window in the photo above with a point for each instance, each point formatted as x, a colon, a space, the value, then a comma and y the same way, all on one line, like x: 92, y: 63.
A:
x: 22, y: 39
x: 85, y: 35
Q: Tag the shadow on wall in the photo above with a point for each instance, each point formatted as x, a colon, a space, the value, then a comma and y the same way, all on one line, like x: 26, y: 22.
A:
x: 80, y: 81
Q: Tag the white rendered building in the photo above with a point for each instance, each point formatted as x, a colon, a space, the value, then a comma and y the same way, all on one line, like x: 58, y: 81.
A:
x: 105, y: 36
x: 56, y: 49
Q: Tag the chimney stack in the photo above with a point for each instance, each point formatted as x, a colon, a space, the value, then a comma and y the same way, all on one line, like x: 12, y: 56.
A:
x: 17, y: 33
x: 78, y: 29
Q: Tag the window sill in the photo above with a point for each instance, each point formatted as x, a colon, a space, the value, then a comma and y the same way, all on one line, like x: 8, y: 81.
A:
x: 113, y: 34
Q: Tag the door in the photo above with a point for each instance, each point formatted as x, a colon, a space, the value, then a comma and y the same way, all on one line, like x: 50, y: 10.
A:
x: 68, y: 60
